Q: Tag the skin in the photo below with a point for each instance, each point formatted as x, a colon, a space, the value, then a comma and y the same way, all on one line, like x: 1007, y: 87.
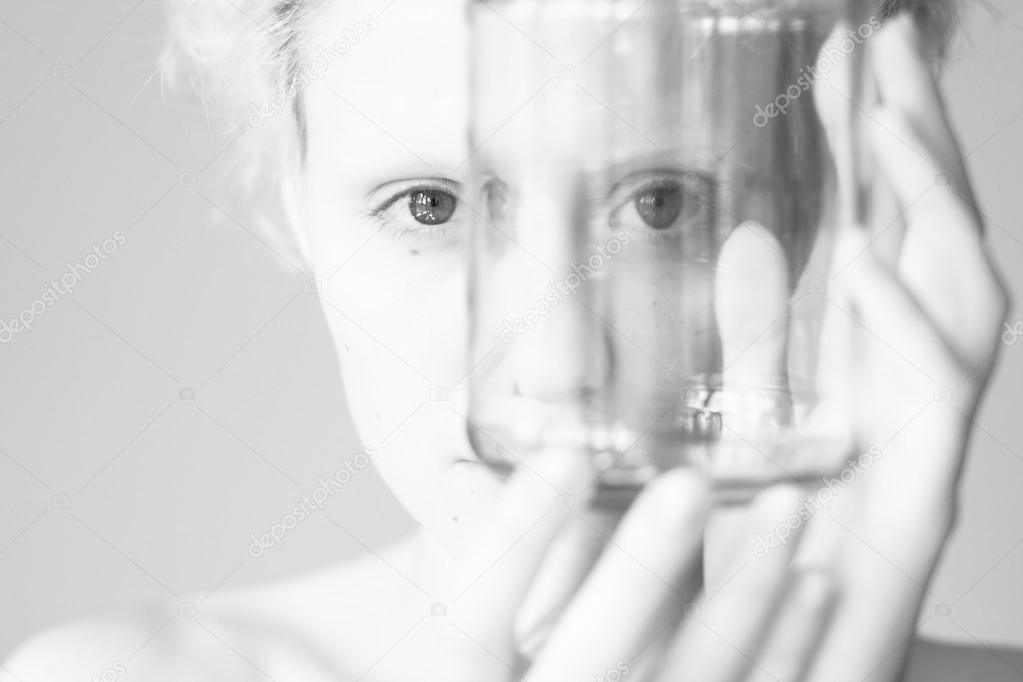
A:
x: 501, y: 555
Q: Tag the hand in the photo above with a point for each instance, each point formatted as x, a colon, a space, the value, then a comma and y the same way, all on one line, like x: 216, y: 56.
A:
x: 634, y: 614
x: 926, y: 340
x: 922, y: 331
x: 922, y: 326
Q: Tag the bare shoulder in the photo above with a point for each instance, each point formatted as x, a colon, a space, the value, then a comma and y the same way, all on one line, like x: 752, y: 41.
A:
x: 81, y: 647
x: 934, y: 661
x: 152, y: 644
x: 311, y: 627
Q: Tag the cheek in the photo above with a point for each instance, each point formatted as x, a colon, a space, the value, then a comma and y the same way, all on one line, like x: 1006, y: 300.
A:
x: 400, y: 314
x: 399, y: 325
x: 400, y: 311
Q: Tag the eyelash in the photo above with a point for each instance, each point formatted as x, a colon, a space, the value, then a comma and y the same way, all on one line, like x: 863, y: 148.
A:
x: 402, y: 232
x: 619, y: 200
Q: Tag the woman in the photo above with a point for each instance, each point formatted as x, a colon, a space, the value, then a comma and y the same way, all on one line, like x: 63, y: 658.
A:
x: 504, y: 577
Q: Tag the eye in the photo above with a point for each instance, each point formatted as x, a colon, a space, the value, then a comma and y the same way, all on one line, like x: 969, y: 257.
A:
x: 659, y: 207
x: 431, y: 206
x: 418, y: 213
x: 661, y: 201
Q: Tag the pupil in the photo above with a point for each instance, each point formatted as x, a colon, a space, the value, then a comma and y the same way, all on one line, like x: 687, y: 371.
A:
x: 660, y: 208
x: 431, y: 207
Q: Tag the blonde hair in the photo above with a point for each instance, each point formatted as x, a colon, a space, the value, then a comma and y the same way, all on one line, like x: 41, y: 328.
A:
x: 248, y: 50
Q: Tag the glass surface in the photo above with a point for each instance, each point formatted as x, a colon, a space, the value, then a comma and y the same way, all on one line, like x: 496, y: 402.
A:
x: 654, y: 201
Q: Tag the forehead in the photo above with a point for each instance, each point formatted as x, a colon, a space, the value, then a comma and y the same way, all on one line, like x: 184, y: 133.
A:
x: 386, y: 84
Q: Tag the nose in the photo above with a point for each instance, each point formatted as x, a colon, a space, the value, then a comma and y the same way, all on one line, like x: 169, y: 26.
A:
x: 566, y: 353
x: 568, y: 358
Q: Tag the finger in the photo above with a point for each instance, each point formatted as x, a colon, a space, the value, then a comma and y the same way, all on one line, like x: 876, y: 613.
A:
x: 751, y: 297
x: 904, y: 71
x: 883, y: 307
x: 944, y: 262
x: 799, y: 628
x: 751, y: 305
x: 896, y: 350
x: 639, y: 586
x: 882, y: 566
x: 883, y: 538
x: 751, y: 301
x: 894, y: 347
x: 563, y: 569
x: 720, y: 640
x: 493, y: 579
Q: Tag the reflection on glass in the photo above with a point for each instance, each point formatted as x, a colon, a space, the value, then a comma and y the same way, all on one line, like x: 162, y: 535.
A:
x: 648, y: 234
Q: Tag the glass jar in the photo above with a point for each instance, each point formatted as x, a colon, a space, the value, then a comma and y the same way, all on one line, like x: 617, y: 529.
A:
x: 655, y: 189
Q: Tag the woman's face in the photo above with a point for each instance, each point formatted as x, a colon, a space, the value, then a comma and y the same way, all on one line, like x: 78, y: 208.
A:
x: 386, y: 149
x: 388, y: 154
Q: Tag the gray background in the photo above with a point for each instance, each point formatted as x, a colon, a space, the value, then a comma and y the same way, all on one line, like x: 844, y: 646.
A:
x: 113, y: 489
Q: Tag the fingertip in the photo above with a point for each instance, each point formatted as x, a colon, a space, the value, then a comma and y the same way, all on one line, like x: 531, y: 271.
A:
x: 905, y: 59
x: 899, y: 38
x: 687, y: 483
x: 901, y: 25
x: 748, y: 244
x: 680, y: 493
x: 781, y: 497
x: 568, y: 470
